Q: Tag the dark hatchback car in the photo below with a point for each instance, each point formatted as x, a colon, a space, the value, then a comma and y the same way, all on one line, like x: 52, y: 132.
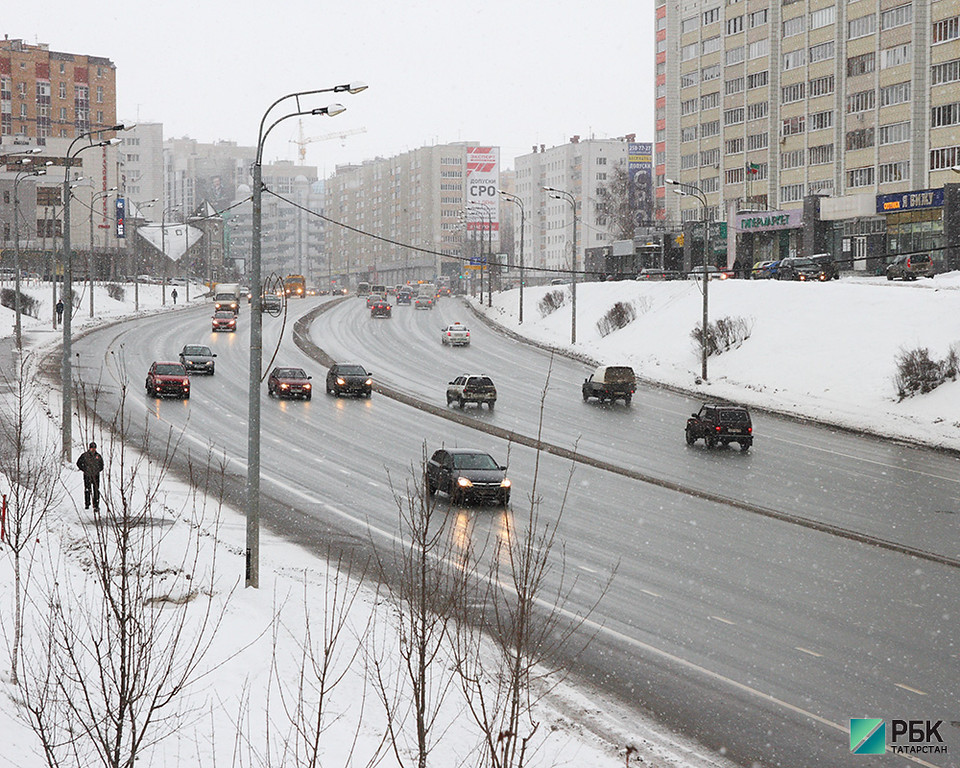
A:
x: 289, y: 382
x: 465, y: 474
x: 404, y: 297
x: 197, y: 357
x: 910, y: 266
x: 828, y: 267
x: 381, y: 308
x: 798, y: 268
x: 720, y: 424
x: 168, y: 380
x: 349, y: 379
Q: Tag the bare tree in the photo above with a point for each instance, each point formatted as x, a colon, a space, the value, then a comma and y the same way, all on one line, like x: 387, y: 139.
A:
x: 33, y: 471
x: 420, y: 583
x: 125, y: 640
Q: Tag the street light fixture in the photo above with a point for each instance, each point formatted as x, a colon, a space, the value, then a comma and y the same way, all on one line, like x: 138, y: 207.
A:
x: 559, y: 194
x: 66, y: 370
x: 695, y: 191
x: 18, y: 335
x: 252, y: 564
x: 93, y: 199
x: 514, y: 199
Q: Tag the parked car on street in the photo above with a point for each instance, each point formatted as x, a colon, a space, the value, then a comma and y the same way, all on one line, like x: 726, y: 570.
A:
x: 349, y: 379
x: 658, y: 274
x: 759, y: 271
x: 828, y: 267
x: 166, y: 379
x: 798, y: 268
x: 224, y: 320
x: 720, y: 424
x: 610, y: 382
x: 472, y: 388
x: 197, y: 357
x: 466, y: 474
x: 910, y: 266
x: 696, y: 273
x: 455, y: 335
x: 289, y: 382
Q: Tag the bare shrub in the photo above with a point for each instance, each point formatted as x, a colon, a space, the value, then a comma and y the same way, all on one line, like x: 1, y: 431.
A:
x: 28, y: 305
x: 551, y: 302
x: 724, y: 334
x: 620, y: 315
x: 115, y: 292
x: 918, y: 373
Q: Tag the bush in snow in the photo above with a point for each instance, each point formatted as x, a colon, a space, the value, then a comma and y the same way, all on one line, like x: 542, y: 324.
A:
x: 115, y: 291
x: 618, y: 316
x: 918, y: 372
x: 28, y: 305
x: 724, y: 334
x: 551, y: 302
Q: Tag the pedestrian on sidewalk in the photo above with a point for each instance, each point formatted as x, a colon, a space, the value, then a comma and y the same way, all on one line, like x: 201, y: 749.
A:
x: 91, y: 464
x: 173, y: 294
x: 60, y: 312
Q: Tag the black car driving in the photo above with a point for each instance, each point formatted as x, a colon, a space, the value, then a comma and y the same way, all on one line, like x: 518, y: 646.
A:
x: 465, y: 473
x: 349, y: 379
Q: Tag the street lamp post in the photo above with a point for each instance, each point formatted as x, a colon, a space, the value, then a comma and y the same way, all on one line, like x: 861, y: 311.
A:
x: 514, y: 199
x: 698, y: 193
x: 66, y: 371
x: 559, y: 194
x: 485, y: 267
x: 163, y: 251
x: 130, y: 262
x: 17, y: 328
x: 252, y: 560
x: 93, y: 199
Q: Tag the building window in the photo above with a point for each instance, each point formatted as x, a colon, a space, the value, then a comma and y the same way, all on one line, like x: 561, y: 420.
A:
x: 758, y: 48
x: 711, y: 44
x: 790, y: 193
x: 689, y: 52
x: 947, y: 29
x: 710, y: 156
x: 894, y: 133
x: 948, y: 72
x: 710, y: 185
x: 792, y: 159
x: 898, y: 93
x: 689, y: 25
x: 820, y: 155
x: 820, y: 187
x: 758, y: 141
x: 733, y: 116
x: 63, y: 113
x: 688, y: 79
x: 757, y: 171
x: 733, y: 176
x: 859, y: 139
x: 81, y: 108
x: 890, y: 172
x: 688, y: 161
x: 710, y: 100
x: 822, y: 52
x: 861, y: 27
x: 860, y: 177
x: 823, y: 17
x: 759, y: 18
x: 733, y: 146
x: 712, y: 16
x: 896, y: 17
x: 947, y: 157
x: 734, y: 25
x: 795, y: 26
x: 689, y: 133
x: 861, y: 65
x: 688, y: 107
x: 99, y: 94
x: 734, y: 55
x: 861, y: 101
x: 759, y: 110
x: 792, y: 93
x: 708, y: 129
x: 820, y: 121
x: 63, y: 90
x: 793, y: 125
x: 710, y: 73
x: 945, y: 114
x: 899, y: 54
x: 794, y: 59
x: 758, y: 79
x: 733, y: 86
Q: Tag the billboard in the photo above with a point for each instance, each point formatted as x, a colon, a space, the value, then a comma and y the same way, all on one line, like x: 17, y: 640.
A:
x: 640, y: 172
x: 121, y: 216
x: 482, y: 182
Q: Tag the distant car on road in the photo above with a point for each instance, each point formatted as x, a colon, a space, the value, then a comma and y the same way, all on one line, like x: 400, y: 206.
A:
x: 798, y: 268
x: 224, y: 321
x: 197, y: 357
x: 289, y: 382
x: 720, y: 424
x: 404, y: 296
x: 658, y: 274
x: 372, y: 298
x: 166, y: 379
x: 423, y: 302
x: 381, y: 308
x: 910, y: 266
x: 456, y: 335
x: 610, y: 382
x: 271, y: 303
x: 349, y: 379
x: 464, y: 474
x: 472, y: 388
x: 828, y: 267
x: 696, y: 273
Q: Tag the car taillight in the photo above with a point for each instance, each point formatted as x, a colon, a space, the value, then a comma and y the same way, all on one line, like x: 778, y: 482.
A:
x: 449, y: 334
x: 749, y: 430
x: 717, y: 427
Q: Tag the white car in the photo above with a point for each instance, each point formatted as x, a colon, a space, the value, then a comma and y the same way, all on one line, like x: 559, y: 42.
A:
x: 456, y: 335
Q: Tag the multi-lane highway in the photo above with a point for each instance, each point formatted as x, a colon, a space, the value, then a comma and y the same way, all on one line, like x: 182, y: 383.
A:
x: 739, y: 624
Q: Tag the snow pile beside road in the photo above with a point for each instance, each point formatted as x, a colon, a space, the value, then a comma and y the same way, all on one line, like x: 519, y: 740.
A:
x: 823, y: 351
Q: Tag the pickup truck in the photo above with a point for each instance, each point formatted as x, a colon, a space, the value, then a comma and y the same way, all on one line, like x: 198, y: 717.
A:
x: 610, y: 382
x: 720, y: 425
x: 472, y: 388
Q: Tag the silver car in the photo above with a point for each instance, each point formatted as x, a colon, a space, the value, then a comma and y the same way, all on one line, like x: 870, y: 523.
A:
x: 197, y: 358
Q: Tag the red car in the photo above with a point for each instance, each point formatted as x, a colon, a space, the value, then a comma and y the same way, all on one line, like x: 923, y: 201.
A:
x: 224, y: 321
x: 289, y: 382
x: 168, y: 379
x: 381, y: 308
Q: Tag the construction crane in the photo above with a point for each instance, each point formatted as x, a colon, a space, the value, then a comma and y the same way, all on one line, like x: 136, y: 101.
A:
x: 301, y: 141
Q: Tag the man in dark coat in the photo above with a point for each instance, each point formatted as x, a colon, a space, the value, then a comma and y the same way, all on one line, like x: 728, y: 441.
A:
x: 91, y: 464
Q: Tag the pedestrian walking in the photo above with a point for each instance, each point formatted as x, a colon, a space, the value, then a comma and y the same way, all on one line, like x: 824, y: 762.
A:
x: 91, y: 464
x: 59, y: 311
x: 173, y: 294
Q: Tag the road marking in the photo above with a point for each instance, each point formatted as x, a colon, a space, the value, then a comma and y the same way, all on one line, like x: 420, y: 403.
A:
x: 648, y: 592
x: 588, y: 570
x: 808, y: 651
x: 908, y: 688
x: 725, y: 621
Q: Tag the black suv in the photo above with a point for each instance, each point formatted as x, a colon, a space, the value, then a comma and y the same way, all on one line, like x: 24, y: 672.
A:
x: 345, y: 378
x: 828, y: 267
x: 464, y: 473
x: 721, y: 424
x: 798, y: 268
x: 910, y: 266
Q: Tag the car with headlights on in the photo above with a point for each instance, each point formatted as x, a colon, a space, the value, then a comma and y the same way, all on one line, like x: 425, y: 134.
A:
x: 455, y: 335
x: 289, y: 382
x: 381, y: 308
x: 168, y: 379
x: 197, y: 357
x: 467, y: 474
x: 349, y: 379
x: 224, y: 321
x: 423, y: 302
x: 799, y: 268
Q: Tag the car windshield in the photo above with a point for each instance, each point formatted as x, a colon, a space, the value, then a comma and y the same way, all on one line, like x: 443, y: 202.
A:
x: 619, y: 374
x: 474, y: 461
x: 171, y: 369
x: 351, y: 370
x: 733, y: 416
x: 224, y: 315
x: 480, y: 381
x: 197, y: 351
x: 803, y: 263
x: 290, y: 373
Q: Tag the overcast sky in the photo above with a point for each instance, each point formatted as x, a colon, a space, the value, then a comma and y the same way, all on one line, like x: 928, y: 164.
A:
x: 510, y: 74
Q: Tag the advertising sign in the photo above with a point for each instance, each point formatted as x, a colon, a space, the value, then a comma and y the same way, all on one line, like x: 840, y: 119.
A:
x: 640, y: 173
x: 768, y: 221
x: 121, y: 216
x: 482, y: 183
x: 910, y: 201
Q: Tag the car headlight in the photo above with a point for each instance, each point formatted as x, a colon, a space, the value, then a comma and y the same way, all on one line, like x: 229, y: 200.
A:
x: 341, y: 381
x: 505, y: 483
x: 306, y: 386
x: 369, y: 382
x: 284, y: 386
x: 464, y: 483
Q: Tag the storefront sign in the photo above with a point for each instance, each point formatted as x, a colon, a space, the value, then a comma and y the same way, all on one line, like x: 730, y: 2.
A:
x: 766, y: 221
x: 910, y: 201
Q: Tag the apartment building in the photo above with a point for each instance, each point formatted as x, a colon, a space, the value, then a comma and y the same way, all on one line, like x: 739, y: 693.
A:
x: 810, y: 125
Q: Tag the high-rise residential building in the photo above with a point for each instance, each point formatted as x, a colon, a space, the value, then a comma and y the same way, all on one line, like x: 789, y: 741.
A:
x: 582, y: 168
x: 141, y: 163
x: 810, y: 125
x: 408, y: 217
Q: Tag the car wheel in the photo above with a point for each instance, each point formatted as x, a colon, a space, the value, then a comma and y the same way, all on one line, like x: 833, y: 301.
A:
x: 889, y: 276
x: 505, y: 499
x: 585, y: 396
x: 212, y: 369
x: 627, y: 399
x: 431, y: 488
x: 369, y: 394
x: 460, y: 402
x: 186, y: 396
x: 337, y: 392
x: 711, y: 441
x: 745, y: 446
x: 491, y: 403
x: 691, y: 438
x: 308, y: 396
